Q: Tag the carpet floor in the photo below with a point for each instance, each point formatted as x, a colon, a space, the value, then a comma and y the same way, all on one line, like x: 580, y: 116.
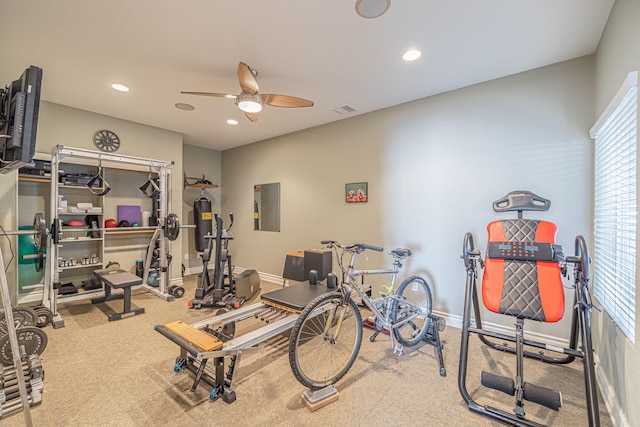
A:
x: 101, y: 373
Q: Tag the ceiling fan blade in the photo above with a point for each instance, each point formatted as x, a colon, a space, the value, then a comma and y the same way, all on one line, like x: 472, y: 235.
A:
x: 218, y: 95
x: 252, y: 116
x: 285, y: 101
x: 247, y: 80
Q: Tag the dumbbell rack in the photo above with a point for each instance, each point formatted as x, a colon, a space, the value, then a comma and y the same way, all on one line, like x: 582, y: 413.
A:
x: 26, y: 394
x: 33, y: 376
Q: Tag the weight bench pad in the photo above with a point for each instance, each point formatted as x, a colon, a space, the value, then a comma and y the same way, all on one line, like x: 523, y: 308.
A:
x: 199, y: 338
x: 524, y: 289
x: 118, y: 278
x: 296, y: 296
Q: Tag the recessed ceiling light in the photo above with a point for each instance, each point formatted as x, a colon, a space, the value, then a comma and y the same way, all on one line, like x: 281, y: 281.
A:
x: 185, y: 107
x: 372, y: 8
x: 232, y: 122
x: 120, y: 87
x: 411, y: 55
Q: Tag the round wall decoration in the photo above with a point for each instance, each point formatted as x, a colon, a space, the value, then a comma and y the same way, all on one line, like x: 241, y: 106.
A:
x: 105, y: 140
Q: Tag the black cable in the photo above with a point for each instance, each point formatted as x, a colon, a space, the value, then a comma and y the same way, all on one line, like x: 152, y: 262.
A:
x: 10, y: 248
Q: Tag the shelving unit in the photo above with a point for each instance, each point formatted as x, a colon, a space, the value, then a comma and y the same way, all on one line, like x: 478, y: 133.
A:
x: 76, y: 243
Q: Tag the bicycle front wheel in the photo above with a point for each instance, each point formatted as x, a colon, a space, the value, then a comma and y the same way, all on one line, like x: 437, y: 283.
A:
x: 413, y: 301
x: 325, y: 340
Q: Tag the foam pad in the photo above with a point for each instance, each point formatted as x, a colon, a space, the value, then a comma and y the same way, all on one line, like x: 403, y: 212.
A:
x: 550, y: 398
x: 524, y: 289
x: 498, y: 382
x: 297, y: 296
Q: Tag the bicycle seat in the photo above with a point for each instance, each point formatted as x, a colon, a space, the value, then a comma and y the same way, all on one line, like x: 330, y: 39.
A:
x: 400, y: 253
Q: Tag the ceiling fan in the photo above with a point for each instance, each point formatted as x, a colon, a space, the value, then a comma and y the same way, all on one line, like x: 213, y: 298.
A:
x: 250, y: 100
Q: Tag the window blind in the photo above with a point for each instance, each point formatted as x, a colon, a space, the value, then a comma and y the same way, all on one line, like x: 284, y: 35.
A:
x: 616, y: 206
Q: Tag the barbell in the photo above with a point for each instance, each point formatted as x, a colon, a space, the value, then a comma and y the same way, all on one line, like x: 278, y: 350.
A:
x: 171, y: 229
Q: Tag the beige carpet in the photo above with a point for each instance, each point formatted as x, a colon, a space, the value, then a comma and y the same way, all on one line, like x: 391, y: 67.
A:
x: 101, y: 373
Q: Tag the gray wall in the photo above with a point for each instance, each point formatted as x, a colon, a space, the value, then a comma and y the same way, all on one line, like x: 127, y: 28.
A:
x: 198, y: 162
x: 434, y: 167
x: 618, y: 53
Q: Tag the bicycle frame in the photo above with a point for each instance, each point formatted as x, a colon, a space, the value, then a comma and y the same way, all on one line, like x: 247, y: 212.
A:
x: 383, y: 313
x: 333, y: 322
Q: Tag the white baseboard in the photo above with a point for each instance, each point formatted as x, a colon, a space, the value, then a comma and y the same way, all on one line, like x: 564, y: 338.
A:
x: 272, y: 278
x: 237, y: 270
x: 192, y: 270
x: 609, y: 396
x: 455, y: 321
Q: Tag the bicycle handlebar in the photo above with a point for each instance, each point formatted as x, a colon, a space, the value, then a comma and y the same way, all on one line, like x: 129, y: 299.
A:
x: 370, y: 247
x: 363, y: 246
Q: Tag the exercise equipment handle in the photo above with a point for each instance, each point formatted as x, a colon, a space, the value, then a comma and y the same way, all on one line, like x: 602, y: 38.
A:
x: 370, y: 247
x: 521, y: 201
x: 329, y: 242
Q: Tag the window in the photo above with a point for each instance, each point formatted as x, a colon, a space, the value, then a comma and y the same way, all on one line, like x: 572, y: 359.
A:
x: 615, y: 206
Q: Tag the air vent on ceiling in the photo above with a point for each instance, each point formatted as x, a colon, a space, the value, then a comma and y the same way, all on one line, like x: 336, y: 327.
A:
x: 345, y: 109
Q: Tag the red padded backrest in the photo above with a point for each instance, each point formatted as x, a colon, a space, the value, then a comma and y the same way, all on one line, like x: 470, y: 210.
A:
x: 524, y: 289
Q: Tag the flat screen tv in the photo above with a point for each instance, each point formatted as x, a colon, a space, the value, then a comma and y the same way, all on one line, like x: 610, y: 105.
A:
x: 19, y: 105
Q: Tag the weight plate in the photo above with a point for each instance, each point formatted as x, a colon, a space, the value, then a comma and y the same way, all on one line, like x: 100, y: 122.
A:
x: 178, y: 292
x: 45, y: 316
x: 39, y: 231
x: 32, y: 338
x: 39, y: 238
x: 22, y: 316
x: 40, y: 261
x: 172, y: 227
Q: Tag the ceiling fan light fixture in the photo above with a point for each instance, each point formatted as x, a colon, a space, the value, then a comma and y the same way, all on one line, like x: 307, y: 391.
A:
x: 249, y: 103
x: 372, y: 8
x: 250, y: 106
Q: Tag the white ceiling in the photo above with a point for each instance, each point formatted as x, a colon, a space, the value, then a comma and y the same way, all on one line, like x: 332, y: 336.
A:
x: 315, y: 49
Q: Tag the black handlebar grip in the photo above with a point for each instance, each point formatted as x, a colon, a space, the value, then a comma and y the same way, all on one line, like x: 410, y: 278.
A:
x: 326, y: 242
x: 371, y: 247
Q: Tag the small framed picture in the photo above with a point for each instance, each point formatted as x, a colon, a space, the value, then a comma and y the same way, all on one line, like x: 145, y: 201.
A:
x: 356, y: 192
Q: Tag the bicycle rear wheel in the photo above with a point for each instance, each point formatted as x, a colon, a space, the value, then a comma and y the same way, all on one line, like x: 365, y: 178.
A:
x: 325, y: 340
x: 413, y: 299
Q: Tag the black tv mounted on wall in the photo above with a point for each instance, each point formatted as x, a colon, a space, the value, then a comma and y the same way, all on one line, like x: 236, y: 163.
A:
x: 19, y: 105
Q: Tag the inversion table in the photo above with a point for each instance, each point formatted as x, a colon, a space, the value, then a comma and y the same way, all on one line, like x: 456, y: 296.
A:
x: 522, y: 278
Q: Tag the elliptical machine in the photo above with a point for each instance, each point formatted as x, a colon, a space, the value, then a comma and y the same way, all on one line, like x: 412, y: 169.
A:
x: 221, y: 292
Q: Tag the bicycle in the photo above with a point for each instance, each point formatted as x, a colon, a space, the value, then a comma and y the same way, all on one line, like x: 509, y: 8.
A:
x: 326, y: 338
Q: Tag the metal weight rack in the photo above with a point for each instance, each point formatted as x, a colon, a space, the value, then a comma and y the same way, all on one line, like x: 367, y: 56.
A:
x: 161, y: 167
